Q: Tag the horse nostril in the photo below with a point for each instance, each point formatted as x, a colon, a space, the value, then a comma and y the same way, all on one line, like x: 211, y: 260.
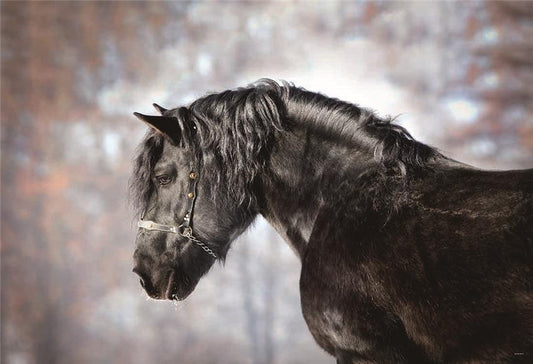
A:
x: 146, y: 282
x: 142, y: 277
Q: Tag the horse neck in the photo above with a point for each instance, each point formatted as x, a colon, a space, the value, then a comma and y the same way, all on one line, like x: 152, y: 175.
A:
x: 302, y: 170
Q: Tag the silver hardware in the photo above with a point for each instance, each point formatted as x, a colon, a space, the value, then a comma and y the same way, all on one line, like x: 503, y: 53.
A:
x: 150, y: 225
x: 185, y: 231
x: 204, y: 247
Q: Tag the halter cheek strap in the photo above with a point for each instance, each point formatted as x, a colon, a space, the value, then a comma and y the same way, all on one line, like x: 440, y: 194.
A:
x: 191, y: 199
x: 185, y: 228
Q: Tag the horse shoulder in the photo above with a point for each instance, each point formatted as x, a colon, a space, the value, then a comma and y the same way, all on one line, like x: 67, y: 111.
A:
x: 342, y: 294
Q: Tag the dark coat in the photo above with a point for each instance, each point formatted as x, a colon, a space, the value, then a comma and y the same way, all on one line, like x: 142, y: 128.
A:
x: 407, y: 256
x: 446, y: 277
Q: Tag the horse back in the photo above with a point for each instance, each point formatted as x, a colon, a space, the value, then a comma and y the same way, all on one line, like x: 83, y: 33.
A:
x: 478, y: 210
x: 475, y: 193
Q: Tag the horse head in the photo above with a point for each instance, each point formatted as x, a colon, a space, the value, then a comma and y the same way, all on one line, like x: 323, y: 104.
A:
x: 185, y: 224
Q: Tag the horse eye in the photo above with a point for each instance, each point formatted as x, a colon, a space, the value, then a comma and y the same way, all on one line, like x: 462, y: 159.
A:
x: 164, y: 179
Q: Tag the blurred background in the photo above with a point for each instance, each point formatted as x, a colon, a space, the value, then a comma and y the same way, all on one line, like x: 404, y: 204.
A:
x: 457, y: 74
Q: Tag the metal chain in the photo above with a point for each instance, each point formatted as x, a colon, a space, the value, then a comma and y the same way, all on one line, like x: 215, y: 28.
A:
x: 187, y: 233
x: 205, y: 247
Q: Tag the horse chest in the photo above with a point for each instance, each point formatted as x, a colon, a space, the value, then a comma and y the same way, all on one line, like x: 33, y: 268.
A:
x: 332, y: 331
x: 350, y: 325
x: 345, y: 309
x: 334, y: 321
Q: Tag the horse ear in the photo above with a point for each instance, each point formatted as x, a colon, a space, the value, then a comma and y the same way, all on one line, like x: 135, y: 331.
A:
x: 165, y: 125
x: 160, y: 109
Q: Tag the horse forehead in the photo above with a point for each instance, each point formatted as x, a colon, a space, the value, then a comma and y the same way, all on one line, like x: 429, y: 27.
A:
x: 172, y: 154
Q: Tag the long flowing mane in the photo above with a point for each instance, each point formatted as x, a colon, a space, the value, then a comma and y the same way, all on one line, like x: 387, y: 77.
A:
x: 390, y: 143
x: 234, y: 128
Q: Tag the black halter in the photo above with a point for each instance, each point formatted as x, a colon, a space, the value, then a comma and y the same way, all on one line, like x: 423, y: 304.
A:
x: 191, y: 199
x: 184, y: 229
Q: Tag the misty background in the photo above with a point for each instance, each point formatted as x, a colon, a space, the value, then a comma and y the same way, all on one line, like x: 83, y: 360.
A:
x: 457, y: 75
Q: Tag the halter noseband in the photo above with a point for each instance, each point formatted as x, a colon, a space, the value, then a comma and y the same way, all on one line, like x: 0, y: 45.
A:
x: 185, y: 228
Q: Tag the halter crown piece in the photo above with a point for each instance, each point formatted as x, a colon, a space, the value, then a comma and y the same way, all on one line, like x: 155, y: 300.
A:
x: 185, y: 228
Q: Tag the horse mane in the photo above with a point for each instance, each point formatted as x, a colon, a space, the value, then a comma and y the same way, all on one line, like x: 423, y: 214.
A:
x: 390, y: 143
x: 233, y: 129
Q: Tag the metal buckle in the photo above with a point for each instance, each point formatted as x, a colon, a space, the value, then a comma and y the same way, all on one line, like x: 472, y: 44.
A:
x: 185, y: 231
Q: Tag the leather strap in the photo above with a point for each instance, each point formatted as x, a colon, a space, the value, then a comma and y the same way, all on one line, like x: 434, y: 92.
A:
x: 191, y: 199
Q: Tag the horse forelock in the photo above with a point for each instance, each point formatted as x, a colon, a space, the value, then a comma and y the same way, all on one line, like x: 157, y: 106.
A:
x: 141, y: 186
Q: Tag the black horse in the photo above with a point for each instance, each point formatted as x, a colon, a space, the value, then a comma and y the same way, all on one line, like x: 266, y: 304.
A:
x: 407, y: 256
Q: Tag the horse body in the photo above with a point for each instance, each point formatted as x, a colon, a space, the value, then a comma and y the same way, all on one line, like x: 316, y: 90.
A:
x: 429, y: 279
x: 407, y: 256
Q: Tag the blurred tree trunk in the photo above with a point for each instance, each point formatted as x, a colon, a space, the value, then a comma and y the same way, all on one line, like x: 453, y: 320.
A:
x: 251, y: 316
x: 271, y: 274
x: 512, y: 60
